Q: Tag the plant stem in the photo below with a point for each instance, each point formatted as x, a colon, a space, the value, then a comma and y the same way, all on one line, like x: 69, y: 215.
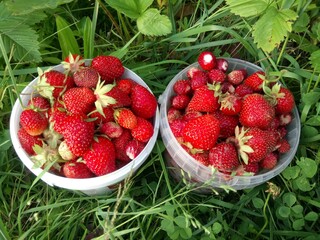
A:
x: 265, y: 216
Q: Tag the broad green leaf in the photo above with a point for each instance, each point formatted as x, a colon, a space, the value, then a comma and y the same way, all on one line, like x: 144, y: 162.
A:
x: 88, y: 43
x: 289, y: 199
x: 311, y: 216
x: 153, y: 23
x: 272, y: 27
x: 185, y: 233
x: 314, y: 121
x: 302, y: 23
x: 131, y: 8
x: 257, y: 202
x: 309, y: 132
x: 315, y: 60
x: 248, y: 8
x: 303, y: 184
x: 167, y: 225
x: 308, y: 166
x: 181, y: 221
x: 311, y: 98
x: 216, y: 227
x: 284, y: 211
x: 66, y: 38
x: 291, y: 172
x: 298, y: 224
x: 24, y: 7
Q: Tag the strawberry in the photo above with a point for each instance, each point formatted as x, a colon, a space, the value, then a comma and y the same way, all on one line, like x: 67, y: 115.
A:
x: 125, y: 85
x: 173, y: 114
x: 255, y: 81
x: 122, y: 99
x: 202, y: 132
x: 79, y: 100
x: 251, y: 168
x: 227, y: 123
x: 28, y: 141
x: 190, y: 115
x: 256, y: 111
x: 285, y: 119
x: 222, y: 64
x: 182, y: 86
x: 180, y: 101
x: 73, y: 62
x: 39, y: 103
x: 120, y: 144
x: 134, y: 148
x: 242, y: 90
x: 57, y: 117
x: 52, y: 84
x: 285, y: 101
x: 75, y: 169
x: 270, y: 161
x: 33, y: 122
x: 216, y: 75
x: 65, y: 152
x: 284, y: 146
x: 143, y: 131
x: 100, y: 158
x: 191, y: 71
x: 202, y: 157
x: 107, y: 115
x: 224, y: 157
x: 144, y: 103
x: 227, y: 87
x: 110, y: 68
x: 252, y: 144
x: 231, y: 104
x: 111, y: 129
x: 177, y: 126
x: 86, y: 77
x: 199, y: 79
x: 235, y: 77
x: 203, y: 100
x: 78, y: 133
x: 207, y: 60
x: 125, y: 118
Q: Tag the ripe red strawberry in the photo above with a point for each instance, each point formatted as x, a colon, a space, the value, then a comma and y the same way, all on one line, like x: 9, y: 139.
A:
x: 222, y: 64
x: 199, y: 79
x: 243, y: 90
x: 255, y: 81
x: 216, y: 75
x: 134, y: 148
x: 285, y: 101
x: 207, y: 60
x: 224, y: 157
x: 79, y: 100
x: 99, y: 118
x: 202, y: 132
x: 86, y: 77
x: 101, y: 157
x: 227, y: 123
x: 273, y: 137
x: 78, y: 133
x: 252, y: 144
x: 236, y: 77
x: 39, y: 103
x: 27, y: 141
x: 110, y: 68
x: 33, y: 122
x: 57, y: 117
x: 52, y: 84
x: 270, y: 161
x: 251, y: 168
x: 75, y: 169
x: 144, y: 103
x: 182, y: 86
x: 284, y: 146
x: 73, y: 62
x: 177, y: 126
x: 122, y: 99
x: 143, y: 131
x: 191, y: 71
x: 120, y: 144
x: 231, y: 104
x: 203, y: 100
x: 202, y: 157
x: 111, y: 129
x: 125, y: 118
x: 180, y: 101
x: 190, y: 115
x: 256, y: 111
x: 125, y: 85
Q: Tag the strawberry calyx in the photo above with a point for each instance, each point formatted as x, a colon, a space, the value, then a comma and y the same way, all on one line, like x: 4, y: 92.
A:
x: 73, y: 63
x: 42, y: 86
x: 102, y: 99
x: 272, y: 94
x: 46, y: 157
x: 241, y: 140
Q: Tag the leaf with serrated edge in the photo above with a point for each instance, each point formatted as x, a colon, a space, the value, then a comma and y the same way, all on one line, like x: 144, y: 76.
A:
x: 315, y: 60
x: 131, y: 8
x: 272, y: 27
x: 152, y: 23
x: 248, y: 8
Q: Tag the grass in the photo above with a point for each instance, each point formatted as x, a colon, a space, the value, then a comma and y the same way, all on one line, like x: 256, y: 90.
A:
x: 150, y: 204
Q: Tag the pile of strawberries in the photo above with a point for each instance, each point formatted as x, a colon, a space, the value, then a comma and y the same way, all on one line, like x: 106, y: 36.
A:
x: 86, y: 121
x: 227, y: 119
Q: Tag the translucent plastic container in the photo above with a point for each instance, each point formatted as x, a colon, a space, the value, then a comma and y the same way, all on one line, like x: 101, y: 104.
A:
x: 90, y: 186
x: 185, y: 168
